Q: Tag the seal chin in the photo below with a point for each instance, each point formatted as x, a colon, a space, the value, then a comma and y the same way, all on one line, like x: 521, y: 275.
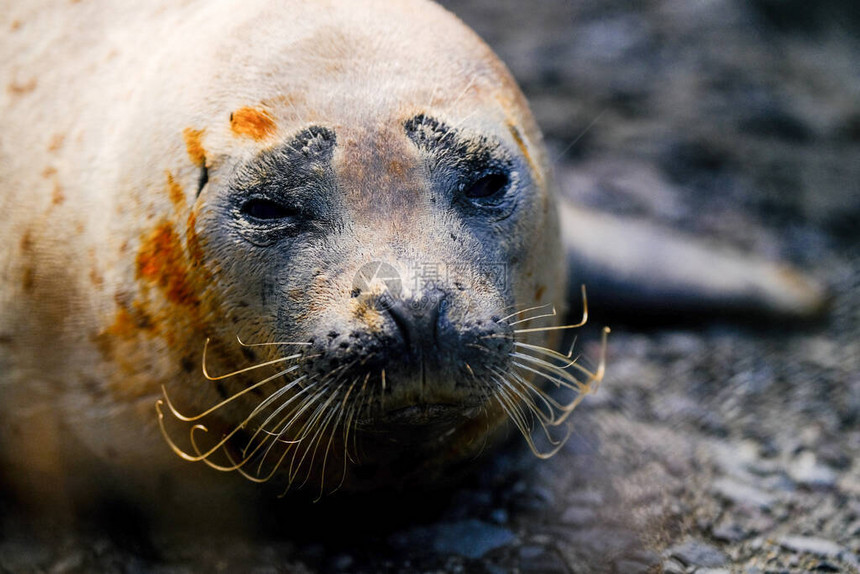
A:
x: 419, y: 426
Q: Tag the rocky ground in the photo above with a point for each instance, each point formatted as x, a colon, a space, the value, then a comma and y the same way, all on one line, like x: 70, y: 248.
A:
x: 713, y: 445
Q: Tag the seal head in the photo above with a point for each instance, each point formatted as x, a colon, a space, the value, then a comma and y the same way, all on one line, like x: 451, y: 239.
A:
x: 352, y: 230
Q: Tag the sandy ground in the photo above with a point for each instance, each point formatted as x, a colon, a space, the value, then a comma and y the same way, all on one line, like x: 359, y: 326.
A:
x: 714, y: 445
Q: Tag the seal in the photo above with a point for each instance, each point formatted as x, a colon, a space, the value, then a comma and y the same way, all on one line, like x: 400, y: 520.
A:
x: 308, y: 242
x: 313, y: 243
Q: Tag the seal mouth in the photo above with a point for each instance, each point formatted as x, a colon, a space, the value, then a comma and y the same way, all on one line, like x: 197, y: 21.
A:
x: 312, y: 422
x: 422, y: 426
x: 428, y: 414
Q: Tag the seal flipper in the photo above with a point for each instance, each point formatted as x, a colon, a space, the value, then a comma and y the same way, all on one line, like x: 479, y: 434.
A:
x: 632, y: 264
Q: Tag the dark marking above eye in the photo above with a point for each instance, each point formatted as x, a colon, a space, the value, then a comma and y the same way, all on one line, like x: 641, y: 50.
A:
x: 474, y: 166
x: 314, y: 141
x: 425, y: 131
x: 457, y: 148
x: 287, y: 165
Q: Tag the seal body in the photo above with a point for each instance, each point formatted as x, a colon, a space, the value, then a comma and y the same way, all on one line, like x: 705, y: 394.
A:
x: 303, y: 230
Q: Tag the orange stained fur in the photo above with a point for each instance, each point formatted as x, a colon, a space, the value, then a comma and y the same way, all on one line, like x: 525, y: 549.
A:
x: 194, y: 146
x: 253, y: 123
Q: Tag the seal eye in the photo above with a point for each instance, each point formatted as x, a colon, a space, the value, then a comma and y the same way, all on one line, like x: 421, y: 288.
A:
x: 487, y: 186
x: 266, y: 210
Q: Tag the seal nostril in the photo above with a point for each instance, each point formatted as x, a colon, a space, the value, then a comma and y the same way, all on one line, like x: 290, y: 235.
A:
x: 417, y: 319
x: 402, y: 317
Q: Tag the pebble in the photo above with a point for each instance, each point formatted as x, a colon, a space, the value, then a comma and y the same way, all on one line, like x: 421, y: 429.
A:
x: 586, y: 498
x: 469, y: 538
x: 342, y: 562
x: 743, y: 494
x: 673, y: 567
x: 603, y: 540
x: 811, y: 545
x: 499, y: 516
x: 74, y: 562
x: 806, y: 470
x: 535, y: 499
x: 540, y: 560
x: 578, y: 516
x: 698, y: 553
x: 738, y: 458
x: 637, y: 562
x: 730, y: 532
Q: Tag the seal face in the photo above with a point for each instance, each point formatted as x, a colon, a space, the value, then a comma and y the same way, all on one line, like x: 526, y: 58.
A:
x: 382, y: 296
x: 378, y: 263
x: 343, y: 213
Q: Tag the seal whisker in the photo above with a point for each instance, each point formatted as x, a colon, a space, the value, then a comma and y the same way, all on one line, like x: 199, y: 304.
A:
x: 360, y: 406
x: 552, y: 313
x: 246, y: 456
x: 593, y: 378
x: 458, y: 124
x: 182, y: 454
x: 554, y: 367
x: 486, y: 395
x: 510, y: 408
x: 480, y: 347
x: 564, y: 410
x: 299, y: 116
x: 432, y: 101
x: 280, y: 429
x: 321, y: 411
x: 582, y: 321
x: 199, y: 427
x: 515, y: 313
x: 559, y: 369
x: 526, y: 429
x: 226, y: 401
x: 516, y: 415
x: 525, y: 390
x: 286, y: 423
x: 347, y: 425
x: 365, y: 404
x: 270, y: 344
x: 246, y: 369
x: 335, y: 417
x: 566, y: 358
x: 548, y: 364
x: 276, y: 439
x: 256, y: 478
x: 262, y: 428
x: 234, y: 465
x: 552, y: 374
